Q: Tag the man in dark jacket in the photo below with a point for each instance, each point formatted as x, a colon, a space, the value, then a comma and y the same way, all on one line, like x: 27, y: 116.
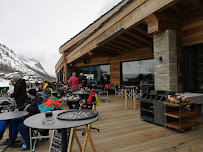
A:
x: 82, y: 79
x: 31, y: 105
x: 19, y: 90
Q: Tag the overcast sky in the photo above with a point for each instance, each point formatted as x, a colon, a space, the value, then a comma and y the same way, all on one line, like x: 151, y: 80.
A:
x: 37, y: 28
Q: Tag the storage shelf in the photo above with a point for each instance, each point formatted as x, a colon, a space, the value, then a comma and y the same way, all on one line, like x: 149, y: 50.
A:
x: 180, y: 104
x: 147, y: 118
x: 147, y: 110
x: 184, y: 124
x: 176, y: 114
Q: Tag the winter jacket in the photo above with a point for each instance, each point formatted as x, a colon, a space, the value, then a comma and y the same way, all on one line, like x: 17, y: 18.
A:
x: 49, y: 104
x: 91, y: 96
x: 45, y: 86
x: 83, y: 80
x: 33, y: 108
x: 19, y: 94
x: 73, y: 81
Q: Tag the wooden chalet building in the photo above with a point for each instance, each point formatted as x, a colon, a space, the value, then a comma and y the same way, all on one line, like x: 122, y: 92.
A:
x: 158, y: 39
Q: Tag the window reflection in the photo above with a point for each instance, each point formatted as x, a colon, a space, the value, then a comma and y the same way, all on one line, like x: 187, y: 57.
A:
x: 95, y: 74
x: 138, y: 72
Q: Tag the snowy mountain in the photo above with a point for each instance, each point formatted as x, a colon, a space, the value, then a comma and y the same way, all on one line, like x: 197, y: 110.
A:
x: 32, y: 63
x: 10, y: 63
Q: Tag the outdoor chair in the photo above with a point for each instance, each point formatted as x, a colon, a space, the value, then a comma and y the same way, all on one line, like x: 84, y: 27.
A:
x: 36, y: 134
x: 119, y: 92
x: 90, y: 106
x: 103, y: 95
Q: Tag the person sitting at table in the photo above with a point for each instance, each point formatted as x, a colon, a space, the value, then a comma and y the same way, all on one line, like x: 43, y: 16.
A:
x: 31, y: 105
x: 89, y: 99
x: 50, y: 102
x: 79, y: 88
x: 77, y: 105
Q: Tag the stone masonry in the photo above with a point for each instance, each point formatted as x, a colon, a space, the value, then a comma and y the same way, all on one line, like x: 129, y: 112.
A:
x: 165, y: 61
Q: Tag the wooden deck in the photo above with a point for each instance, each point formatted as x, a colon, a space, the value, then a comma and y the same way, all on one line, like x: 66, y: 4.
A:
x: 123, y: 131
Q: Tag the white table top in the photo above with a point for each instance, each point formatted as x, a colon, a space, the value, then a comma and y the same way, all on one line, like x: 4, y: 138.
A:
x: 198, y: 97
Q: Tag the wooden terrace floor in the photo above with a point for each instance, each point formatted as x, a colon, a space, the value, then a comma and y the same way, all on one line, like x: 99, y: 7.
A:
x: 123, y: 131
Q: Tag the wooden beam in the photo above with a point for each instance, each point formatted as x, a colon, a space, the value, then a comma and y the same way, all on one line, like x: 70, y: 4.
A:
x: 143, y: 31
x: 103, y: 53
x: 177, y: 9
x: 130, y: 16
x: 134, y: 39
x: 130, y: 42
x: 160, y: 22
x: 88, y: 30
x: 110, y: 48
x: 116, y: 47
x: 107, y: 51
x: 153, y: 24
x: 123, y: 43
x: 140, y: 36
x: 89, y: 53
x: 120, y: 45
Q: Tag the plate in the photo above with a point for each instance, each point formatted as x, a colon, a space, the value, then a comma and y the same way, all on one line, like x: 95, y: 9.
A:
x: 76, y: 114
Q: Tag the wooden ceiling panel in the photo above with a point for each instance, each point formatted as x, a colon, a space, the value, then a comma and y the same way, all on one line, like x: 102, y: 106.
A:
x: 140, y: 36
x: 135, y: 40
x: 129, y: 42
x: 110, y: 48
x: 118, y: 40
x: 121, y: 45
x: 116, y: 47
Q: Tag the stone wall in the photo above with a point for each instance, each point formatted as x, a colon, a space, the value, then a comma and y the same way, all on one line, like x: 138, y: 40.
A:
x: 165, y: 61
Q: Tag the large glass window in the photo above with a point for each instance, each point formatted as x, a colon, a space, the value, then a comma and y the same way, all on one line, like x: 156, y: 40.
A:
x: 193, y: 68
x: 138, y: 72
x: 95, y: 74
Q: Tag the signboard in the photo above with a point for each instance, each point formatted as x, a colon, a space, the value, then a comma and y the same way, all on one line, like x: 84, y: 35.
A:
x: 56, y: 141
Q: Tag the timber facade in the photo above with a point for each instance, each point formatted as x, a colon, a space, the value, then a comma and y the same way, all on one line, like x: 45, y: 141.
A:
x: 168, y: 33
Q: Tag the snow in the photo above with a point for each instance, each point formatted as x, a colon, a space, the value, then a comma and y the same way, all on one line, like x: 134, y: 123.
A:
x: 4, y: 83
x: 10, y: 59
x: 109, y: 5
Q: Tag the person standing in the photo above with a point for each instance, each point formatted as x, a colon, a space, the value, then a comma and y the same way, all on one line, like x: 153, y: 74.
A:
x: 82, y: 79
x: 73, y: 81
x: 19, y: 94
x: 11, y: 87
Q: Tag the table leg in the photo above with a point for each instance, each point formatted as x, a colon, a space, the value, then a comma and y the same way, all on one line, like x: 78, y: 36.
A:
x: 90, y: 139
x: 64, y: 140
x: 77, y: 139
x: 126, y: 99
x: 134, y: 98
x: 10, y: 136
x: 74, y: 135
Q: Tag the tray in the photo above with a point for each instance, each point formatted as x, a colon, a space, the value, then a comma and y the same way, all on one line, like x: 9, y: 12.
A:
x: 76, y: 114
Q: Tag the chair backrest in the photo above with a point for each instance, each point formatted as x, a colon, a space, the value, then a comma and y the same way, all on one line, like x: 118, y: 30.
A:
x: 107, y: 86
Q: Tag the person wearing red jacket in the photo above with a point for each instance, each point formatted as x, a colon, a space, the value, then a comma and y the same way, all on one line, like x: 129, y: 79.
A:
x: 89, y: 99
x: 73, y: 81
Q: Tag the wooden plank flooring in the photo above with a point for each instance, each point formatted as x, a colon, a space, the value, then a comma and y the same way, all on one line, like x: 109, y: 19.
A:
x: 123, y: 131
